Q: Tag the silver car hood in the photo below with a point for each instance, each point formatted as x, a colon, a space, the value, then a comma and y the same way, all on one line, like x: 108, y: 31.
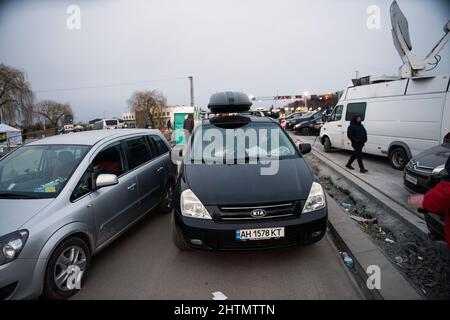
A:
x: 14, y: 213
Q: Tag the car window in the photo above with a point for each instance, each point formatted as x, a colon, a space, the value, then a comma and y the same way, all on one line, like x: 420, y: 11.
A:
x: 159, y: 144
x: 39, y: 171
x: 83, y: 187
x: 138, y: 152
x: 336, y: 115
x: 354, y: 109
x: 110, y: 160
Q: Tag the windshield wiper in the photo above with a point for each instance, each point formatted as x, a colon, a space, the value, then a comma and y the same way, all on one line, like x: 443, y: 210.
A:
x: 8, y: 195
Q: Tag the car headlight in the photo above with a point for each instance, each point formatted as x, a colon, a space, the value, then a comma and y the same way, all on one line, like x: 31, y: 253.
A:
x: 11, y: 245
x: 316, y: 199
x: 192, y: 207
x: 438, y: 169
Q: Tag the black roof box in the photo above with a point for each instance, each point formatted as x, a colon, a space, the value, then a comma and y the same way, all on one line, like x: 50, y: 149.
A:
x: 229, y: 102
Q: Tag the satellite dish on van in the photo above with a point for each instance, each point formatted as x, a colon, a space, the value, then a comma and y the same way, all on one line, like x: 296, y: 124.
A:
x: 412, y: 65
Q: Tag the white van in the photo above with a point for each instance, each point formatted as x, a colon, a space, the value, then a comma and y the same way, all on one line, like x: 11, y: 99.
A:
x: 402, y: 116
x: 106, y: 124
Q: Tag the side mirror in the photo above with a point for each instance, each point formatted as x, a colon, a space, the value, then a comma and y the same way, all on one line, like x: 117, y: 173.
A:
x: 304, y: 148
x: 106, y: 180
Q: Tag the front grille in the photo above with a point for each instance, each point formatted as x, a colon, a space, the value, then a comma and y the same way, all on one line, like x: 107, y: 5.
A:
x: 273, y: 211
x: 258, y: 244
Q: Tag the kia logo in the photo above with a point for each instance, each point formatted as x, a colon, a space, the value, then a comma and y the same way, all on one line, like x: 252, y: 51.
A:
x: 258, y: 213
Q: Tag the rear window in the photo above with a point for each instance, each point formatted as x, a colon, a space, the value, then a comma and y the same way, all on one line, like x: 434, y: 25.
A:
x: 111, y: 122
x: 354, y: 109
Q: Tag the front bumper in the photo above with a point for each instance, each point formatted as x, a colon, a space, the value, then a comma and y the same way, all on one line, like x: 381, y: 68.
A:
x: 305, y: 228
x: 17, y: 280
x: 424, y: 183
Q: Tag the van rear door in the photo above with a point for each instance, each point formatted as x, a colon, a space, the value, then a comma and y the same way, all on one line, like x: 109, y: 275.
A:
x: 333, y: 127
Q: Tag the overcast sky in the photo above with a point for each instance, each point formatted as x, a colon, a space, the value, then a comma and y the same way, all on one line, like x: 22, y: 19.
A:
x: 260, y: 47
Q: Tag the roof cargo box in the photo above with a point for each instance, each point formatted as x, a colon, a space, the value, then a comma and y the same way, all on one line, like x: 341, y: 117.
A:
x: 229, y: 102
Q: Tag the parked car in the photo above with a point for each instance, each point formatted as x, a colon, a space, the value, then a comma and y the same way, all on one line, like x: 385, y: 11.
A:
x: 231, y: 205
x: 309, y: 124
x: 426, y: 169
x: 292, y: 120
x: 64, y: 198
x: 422, y: 173
x: 398, y: 125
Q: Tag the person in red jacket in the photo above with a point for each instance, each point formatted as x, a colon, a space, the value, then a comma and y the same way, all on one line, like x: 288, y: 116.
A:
x: 437, y: 200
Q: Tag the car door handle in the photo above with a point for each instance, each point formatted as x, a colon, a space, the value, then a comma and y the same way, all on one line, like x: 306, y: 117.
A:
x: 132, y: 186
x: 160, y: 169
x: 339, y: 125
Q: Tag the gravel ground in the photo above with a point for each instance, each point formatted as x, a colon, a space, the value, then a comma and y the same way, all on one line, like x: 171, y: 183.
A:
x: 425, y: 263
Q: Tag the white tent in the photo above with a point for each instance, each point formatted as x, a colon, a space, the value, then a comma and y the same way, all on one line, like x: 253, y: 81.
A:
x: 14, y: 135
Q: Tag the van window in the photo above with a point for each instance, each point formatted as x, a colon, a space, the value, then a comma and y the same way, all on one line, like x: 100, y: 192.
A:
x: 337, y: 114
x: 110, y: 160
x: 83, y: 187
x: 159, y: 145
x: 139, y: 152
x: 354, y: 109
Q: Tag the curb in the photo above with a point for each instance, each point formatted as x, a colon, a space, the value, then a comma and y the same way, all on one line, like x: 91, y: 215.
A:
x: 417, y: 225
x: 365, y: 253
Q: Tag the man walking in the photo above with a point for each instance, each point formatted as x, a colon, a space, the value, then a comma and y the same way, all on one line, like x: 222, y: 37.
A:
x: 358, y: 136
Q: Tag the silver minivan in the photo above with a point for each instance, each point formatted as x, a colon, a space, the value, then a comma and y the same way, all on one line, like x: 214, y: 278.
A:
x: 64, y: 198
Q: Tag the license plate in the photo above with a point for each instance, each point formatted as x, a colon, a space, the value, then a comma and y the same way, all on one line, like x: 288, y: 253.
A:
x: 260, y: 234
x: 410, y: 179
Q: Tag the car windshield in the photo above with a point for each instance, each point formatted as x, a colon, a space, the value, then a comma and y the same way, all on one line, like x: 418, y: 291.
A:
x: 253, y: 141
x: 38, y: 171
x: 111, y: 122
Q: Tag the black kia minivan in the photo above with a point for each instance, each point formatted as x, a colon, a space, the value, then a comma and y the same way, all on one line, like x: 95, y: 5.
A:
x: 243, y: 184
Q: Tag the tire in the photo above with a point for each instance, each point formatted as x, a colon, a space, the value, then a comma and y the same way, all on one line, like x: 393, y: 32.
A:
x: 398, y: 158
x: 177, y: 237
x: 166, y: 204
x: 306, y: 132
x: 58, y: 291
x: 327, y: 145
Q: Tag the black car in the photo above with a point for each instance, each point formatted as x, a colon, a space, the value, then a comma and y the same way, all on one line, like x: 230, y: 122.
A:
x: 426, y: 169
x: 422, y: 173
x: 225, y: 200
x: 309, y: 124
x: 292, y: 120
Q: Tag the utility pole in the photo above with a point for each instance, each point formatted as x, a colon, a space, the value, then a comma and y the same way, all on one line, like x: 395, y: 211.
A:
x: 191, y: 80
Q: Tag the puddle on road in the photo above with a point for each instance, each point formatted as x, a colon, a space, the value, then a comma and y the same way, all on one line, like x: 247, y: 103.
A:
x: 425, y: 263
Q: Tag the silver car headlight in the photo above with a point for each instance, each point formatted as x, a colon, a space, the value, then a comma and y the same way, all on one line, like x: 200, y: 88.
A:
x: 192, y: 207
x: 439, y: 169
x: 316, y: 199
x: 11, y: 245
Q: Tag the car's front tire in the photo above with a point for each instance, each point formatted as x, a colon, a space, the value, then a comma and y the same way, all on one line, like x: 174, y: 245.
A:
x: 327, y: 144
x: 177, y: 236
x: 70, y: 256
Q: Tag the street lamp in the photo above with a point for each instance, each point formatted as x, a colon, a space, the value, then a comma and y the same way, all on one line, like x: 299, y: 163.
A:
x: 306, y: 94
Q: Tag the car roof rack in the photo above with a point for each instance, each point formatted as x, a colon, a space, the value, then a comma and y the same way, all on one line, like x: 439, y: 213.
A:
x: 229, y: 102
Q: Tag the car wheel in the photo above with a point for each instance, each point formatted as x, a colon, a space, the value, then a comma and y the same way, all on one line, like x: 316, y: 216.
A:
x: 398, y: 158
x: 177, y: 237
x: 166, y: 204
x: 327, y: 144
x: 70, y: 257
x: 306, y: 132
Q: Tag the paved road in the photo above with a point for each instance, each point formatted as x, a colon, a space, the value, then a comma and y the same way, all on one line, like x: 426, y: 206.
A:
x: 144, y: 264
x: 381, y: 175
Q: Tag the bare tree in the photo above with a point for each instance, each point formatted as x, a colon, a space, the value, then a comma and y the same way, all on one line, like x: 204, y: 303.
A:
x: 148, y: 106
x: 16, y: 97
x: 53, y: 111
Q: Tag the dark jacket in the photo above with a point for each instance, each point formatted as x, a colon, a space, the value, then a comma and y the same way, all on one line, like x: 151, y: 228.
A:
x: 356, y: 132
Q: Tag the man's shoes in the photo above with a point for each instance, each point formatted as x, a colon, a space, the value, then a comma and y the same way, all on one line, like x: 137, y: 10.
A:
x: 349, y: 167
x: 364, y: 170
